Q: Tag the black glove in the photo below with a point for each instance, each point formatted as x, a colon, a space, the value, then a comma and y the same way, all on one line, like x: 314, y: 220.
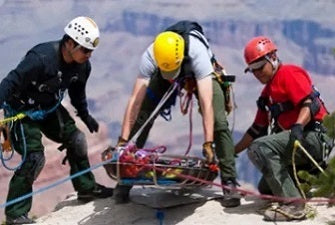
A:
x: 208, y: 152
x: 91, y: 123
x: 297, y: 131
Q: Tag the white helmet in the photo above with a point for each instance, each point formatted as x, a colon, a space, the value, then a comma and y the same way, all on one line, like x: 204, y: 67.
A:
x: 84, y: 31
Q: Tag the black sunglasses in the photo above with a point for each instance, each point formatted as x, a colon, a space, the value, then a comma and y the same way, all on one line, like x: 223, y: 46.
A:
x: 85, y: 50
x: 257, y: 65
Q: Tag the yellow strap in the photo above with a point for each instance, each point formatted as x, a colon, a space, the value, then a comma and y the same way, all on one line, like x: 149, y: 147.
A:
x: 218, y: 77
x: 18, y: 116
x: 297, y: 145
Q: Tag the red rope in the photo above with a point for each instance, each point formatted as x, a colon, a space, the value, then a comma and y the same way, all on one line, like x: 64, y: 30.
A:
x: 145, y: 164
x: 248, y: 192
x: 184, y: 105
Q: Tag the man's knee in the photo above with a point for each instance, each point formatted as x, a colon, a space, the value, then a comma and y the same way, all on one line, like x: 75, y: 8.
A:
x: 32, y: 166
x: 257, y: 156
x: 77, y: 144
x: 221, y: 126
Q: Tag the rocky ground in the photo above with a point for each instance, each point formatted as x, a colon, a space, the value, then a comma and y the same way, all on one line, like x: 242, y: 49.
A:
x: 152, y: 207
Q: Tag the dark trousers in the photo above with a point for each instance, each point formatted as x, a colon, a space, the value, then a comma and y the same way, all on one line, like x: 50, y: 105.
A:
x: 57, y: 126
x: 222, y: 135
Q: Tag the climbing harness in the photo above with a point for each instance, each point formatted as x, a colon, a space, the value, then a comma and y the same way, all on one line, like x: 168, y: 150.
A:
x: 166, y: 96
x: 12, y: 116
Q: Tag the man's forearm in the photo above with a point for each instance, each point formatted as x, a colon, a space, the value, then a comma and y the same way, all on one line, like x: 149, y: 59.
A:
x: 243, y: 143
x: 205, y: 90
x: 133, y: 107
x: 129, y: 119
x: 208, y: 124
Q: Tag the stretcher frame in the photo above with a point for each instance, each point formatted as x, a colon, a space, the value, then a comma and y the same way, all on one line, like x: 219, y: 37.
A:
x: 168, y: 171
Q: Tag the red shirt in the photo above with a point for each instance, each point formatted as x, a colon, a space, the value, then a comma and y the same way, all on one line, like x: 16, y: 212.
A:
x: 290, y: 83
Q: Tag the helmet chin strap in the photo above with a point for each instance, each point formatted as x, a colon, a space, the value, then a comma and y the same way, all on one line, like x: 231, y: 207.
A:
x: 274, y: 62
x: 68, y: 54
x: 73, y: 50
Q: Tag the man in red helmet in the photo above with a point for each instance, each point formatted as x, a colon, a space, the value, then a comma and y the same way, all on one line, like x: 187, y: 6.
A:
x: 292, y: 108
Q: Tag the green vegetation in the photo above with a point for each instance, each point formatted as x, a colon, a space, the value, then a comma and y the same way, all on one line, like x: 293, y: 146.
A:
x: 322, y: 184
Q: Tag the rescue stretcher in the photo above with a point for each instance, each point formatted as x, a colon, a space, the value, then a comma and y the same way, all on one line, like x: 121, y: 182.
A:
x: 131, y: 166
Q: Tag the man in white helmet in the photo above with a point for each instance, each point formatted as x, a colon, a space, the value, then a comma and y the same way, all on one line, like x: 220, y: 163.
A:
x: 36, y: 87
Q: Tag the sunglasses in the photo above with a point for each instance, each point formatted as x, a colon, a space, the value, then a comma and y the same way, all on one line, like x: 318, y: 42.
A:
x: 252, y: 67
x: 85, y: 50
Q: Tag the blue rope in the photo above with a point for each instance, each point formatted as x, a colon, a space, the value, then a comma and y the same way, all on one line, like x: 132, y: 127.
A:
x: 32, y: 114
x: 166, y: 110
x: 40, y: 114
x: 12, y: 154
x: 61, y: 181
x: 135, y: 181
x: 160, y: 216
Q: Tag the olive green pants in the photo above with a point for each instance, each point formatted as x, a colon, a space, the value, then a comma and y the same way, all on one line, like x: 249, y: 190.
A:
x: 222, y: 135
x: 59, y: 127
x: 272, y: 155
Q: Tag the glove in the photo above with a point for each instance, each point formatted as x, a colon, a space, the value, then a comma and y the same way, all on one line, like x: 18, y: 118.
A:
x: 91, y: 123
x: 121, y: 142
x: 296, y: 133
x: 208, y: 152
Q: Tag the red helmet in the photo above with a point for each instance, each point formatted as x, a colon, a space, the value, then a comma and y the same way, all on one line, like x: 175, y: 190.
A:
x: 258, y: 47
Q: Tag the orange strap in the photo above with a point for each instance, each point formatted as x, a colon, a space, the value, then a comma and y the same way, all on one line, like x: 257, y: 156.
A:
x: 4, y: 139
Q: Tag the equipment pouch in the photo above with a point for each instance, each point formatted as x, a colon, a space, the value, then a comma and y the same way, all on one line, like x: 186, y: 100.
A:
x: 225, y: 84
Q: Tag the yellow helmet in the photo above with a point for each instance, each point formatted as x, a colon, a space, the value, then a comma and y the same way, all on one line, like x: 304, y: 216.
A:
x: 169, y: 53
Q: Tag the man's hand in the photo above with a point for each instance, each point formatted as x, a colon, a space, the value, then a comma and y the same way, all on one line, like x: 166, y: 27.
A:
x: 91, y: 123
x: 296, y: 133
x: 208, y: 152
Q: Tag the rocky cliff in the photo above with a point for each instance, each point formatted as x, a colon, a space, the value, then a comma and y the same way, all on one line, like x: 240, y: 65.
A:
x: 303, y: 31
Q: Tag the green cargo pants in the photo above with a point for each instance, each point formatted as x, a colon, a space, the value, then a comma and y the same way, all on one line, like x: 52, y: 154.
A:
x: 222, y: 135
x: 59, y: 127
x: 272, y: 155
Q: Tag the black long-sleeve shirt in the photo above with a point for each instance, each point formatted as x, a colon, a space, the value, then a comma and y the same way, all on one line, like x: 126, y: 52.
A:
x: 38, y: 79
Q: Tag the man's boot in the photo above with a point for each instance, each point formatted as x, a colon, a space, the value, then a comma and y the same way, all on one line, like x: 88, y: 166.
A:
x: 286, y: 212
x: 231, y: 198
x: 23, y: 219
x: 99, y: 191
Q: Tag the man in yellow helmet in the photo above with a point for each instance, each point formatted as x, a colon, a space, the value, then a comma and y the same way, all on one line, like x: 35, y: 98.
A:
x: 169, y: 58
